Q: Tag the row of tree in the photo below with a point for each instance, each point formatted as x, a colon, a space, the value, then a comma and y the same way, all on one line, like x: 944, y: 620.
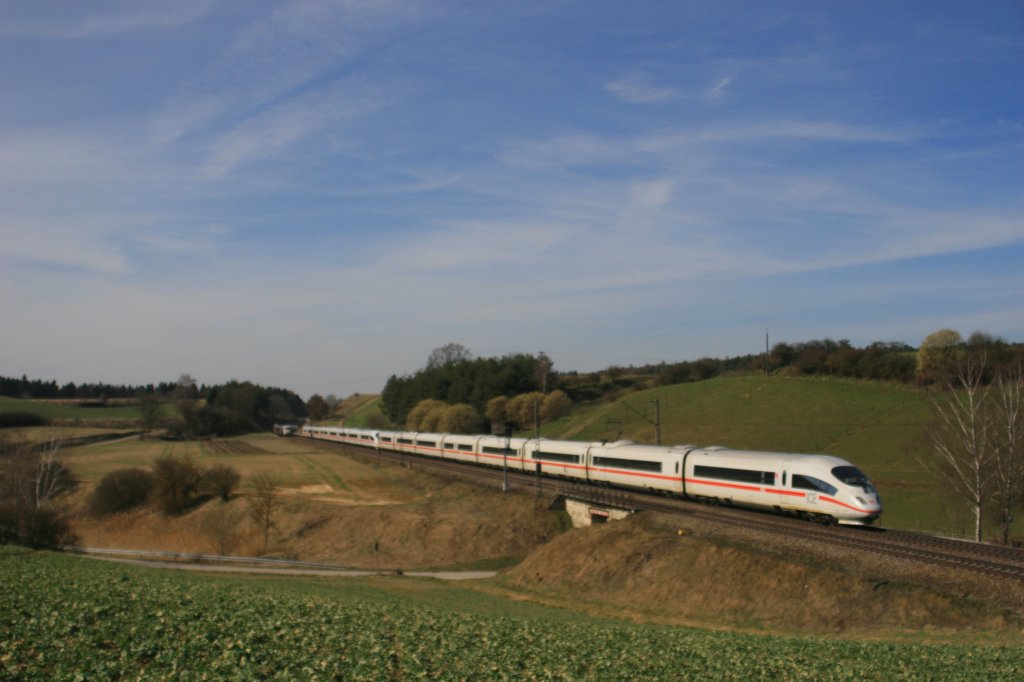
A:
x: 229, y: 409
x: 453, y: 376
x: 524, y: 411
x: 931, y: 364
x: 38, y: 389
x: 173, y: 486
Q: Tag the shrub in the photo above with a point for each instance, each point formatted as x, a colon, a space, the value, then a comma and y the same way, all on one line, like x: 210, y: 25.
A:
x: 121, y: 490
x: 21, y: 419
x: 175, y: 483
x: 38, y: 527
x: 221, y: 480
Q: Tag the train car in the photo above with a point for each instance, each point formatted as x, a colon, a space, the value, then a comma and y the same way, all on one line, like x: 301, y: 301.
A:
x: 624, y: 463
x: 821, y: 487
x: 561, y: 458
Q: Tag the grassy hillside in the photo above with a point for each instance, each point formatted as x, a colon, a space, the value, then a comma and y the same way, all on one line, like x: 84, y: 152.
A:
x: 359, y: 410
x: 878, y: 426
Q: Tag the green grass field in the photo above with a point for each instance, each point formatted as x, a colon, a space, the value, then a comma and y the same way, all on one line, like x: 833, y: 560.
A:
x: 67, y: 412
x: 71, y: 618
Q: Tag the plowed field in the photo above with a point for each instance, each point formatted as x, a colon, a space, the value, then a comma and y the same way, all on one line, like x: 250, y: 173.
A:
x: 233, y: 447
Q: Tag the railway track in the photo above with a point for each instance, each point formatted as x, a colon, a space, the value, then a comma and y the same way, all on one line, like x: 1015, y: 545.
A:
x: 1005, y: 563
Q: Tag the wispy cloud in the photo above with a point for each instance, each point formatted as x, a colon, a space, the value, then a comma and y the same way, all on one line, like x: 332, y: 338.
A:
x: 87, y: 19
x: 639, y: 89
x: 285, y: 54
x: 718, y: 90
x: 276, y: 129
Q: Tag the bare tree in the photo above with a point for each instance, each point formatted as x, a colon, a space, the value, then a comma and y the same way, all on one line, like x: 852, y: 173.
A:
x: 175, y: 483
x: 31, y: 481
x: 150, y: 407
x: 263, y: 502
x: 221, y: 480
x: 544, y: 365
x: 221, y: 527
x: 186, y: 388
x: 50, y: 476
x: 962, y: 439
x: 1008, y: 460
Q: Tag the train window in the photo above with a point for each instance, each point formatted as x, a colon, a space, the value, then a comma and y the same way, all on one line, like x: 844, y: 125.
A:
x: 496, y: 451
x: 427, y: 443
x: 802, y: 482
x: 639, y: 465
x: 851, y: 475
x: 405, y: 441
x: 556, y: 457
x: 741, y: 475
x: 465, y: 447
x: 385, y: 439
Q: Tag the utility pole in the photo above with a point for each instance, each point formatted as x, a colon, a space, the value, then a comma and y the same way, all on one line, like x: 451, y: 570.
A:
x: 657, y: 422
x: 657, y: 418
x: 766, y: 352
x: 536, y: 427
x: 504, y: 458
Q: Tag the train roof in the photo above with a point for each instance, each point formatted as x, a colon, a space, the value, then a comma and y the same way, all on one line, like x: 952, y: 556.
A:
x: 753, y: 455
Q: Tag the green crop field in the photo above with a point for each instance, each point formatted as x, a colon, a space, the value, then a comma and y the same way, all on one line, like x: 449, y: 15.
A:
x: 70, y: 618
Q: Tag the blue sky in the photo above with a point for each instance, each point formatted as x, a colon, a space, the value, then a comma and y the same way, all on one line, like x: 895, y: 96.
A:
x: 315, y: 194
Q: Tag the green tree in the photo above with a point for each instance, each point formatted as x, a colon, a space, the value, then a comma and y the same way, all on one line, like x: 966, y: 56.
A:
x: 317, y: 407
x: 937, y: 357
x: 120, y: 490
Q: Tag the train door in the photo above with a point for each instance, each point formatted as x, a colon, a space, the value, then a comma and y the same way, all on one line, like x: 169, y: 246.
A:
x: 784, y: 486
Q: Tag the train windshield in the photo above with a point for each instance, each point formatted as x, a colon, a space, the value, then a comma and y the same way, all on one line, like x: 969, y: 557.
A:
x: 853, y: 476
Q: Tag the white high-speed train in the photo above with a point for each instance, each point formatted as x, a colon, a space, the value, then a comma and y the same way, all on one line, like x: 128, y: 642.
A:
x: 820, y: 487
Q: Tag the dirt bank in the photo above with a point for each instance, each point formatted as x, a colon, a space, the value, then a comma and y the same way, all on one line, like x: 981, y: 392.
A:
x: 644, y: 568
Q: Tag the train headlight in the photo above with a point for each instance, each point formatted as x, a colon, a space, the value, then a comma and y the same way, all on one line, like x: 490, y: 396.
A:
x: 862, y: 502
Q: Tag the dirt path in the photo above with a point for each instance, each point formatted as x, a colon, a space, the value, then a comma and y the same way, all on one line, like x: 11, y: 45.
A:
x: 346, y: 573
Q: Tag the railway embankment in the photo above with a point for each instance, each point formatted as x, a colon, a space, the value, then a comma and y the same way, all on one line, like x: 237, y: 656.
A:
x: 651, y: 568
